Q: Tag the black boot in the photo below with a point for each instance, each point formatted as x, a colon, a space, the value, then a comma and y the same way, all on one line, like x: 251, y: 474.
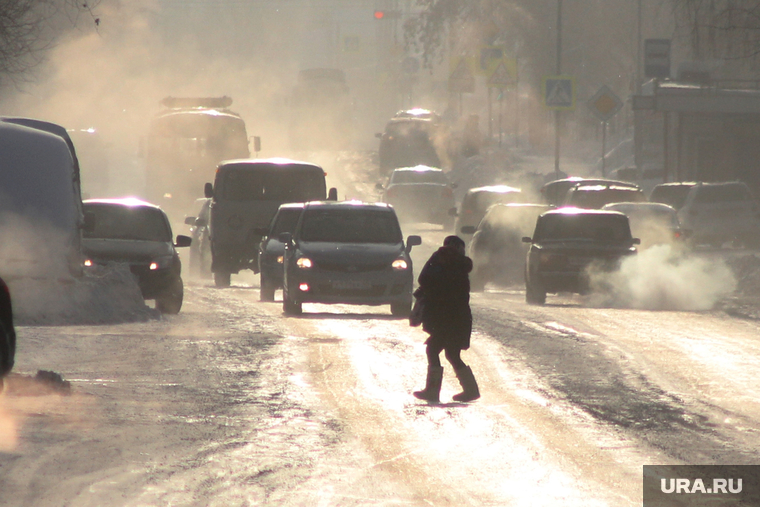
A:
x: 470, y: 387
x: 432, y: 386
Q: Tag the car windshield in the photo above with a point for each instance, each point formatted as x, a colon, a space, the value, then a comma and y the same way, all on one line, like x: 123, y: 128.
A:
x: 271, y: 182
x: 418, y: 177
x: 353, y: 225
x: 140, y: 223
x: 285, y: 221
x: 709, y: 194
x: 673, y: 195
x: 560, y: 227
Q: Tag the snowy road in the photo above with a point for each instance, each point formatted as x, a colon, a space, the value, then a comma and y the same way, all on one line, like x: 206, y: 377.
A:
x: 232, y: 403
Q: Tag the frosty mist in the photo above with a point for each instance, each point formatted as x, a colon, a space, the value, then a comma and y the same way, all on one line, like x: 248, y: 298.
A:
x: 664, y: 278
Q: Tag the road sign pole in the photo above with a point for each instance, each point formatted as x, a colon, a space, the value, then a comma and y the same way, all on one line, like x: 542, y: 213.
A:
x: 604, y: 148
x: 559, y: 71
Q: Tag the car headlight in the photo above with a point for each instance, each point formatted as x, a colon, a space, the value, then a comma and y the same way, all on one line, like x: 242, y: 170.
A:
x: 88, y: 263
x: 399, y: 264
x: 304, y: 263
x: 280, y: 259
x: 160, y: 263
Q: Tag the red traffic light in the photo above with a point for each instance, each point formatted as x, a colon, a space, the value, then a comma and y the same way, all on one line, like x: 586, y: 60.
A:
x: 379, y: 14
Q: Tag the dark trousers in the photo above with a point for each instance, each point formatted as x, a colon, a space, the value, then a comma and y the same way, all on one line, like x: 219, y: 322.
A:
x: 452, y: 355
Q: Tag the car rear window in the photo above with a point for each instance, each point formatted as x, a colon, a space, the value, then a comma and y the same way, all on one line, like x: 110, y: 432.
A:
x: 709, y: 194
x: 595, y: 197
x: 674, y: 195
x: 274, y: 183
x: 137, y: 223
x: 418, y: 177
x: 354, y: 225
x: 559, y: 227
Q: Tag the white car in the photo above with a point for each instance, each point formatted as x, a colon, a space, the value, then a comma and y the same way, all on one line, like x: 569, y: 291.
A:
x: 721, y: 212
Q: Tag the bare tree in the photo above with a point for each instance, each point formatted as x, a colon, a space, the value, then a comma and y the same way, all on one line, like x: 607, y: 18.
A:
x: 725, y: 29
x: 28, y: 28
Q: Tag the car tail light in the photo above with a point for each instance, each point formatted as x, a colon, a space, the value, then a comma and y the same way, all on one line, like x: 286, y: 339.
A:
x: 88, y: 263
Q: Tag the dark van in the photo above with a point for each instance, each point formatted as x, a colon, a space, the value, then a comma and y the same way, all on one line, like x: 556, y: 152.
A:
x: 245, y: 196
x: 40, y: 204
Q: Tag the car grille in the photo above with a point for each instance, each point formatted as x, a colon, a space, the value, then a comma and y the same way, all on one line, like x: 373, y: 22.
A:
x: 329, y: 290
x: 351, y: 268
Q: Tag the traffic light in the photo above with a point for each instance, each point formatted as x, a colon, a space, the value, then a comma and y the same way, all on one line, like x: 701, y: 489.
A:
x: 394, y: 14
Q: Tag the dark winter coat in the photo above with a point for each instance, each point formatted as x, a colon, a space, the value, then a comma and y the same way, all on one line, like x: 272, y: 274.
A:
x: 445, y: 286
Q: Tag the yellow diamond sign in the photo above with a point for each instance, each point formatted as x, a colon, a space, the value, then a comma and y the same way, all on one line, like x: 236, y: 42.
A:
x: 605, y: 104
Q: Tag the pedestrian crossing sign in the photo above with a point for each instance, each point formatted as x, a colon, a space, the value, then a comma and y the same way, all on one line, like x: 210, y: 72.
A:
x: 559, y: 93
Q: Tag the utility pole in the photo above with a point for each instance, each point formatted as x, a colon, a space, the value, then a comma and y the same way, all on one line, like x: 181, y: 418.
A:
x: 558, y: 72
x: 638, y: 50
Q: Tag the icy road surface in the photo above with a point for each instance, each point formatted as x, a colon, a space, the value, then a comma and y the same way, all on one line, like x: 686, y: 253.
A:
x: 231, y: 403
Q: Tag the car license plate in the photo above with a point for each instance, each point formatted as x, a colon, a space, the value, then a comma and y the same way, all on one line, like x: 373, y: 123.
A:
x: 350, y: 284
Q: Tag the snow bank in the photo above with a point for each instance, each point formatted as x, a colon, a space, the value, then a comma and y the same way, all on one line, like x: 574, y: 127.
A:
x: 108, y: 295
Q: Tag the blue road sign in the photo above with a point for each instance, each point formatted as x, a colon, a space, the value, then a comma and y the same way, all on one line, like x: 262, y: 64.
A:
x: 559, y: 92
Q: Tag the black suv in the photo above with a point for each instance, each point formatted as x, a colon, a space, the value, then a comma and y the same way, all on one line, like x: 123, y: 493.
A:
x: 136, y: 233
x: 566, y: 242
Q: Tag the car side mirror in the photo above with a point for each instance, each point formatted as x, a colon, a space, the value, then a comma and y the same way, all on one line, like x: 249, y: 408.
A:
x: 379, y: 135
x: 183, y: 241
x: 208, y: 190
x: 379, y: 186
x: 201, y: 222
x: 453, y: 212
x: 527, y: 239
x: 332, y: 194
x: 190, y: 220
x: 636, y: 241
x: 411, y: 241
x: 468, y: 229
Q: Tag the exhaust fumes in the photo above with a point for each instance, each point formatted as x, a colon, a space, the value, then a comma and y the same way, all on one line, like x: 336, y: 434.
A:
x: 663, y: 278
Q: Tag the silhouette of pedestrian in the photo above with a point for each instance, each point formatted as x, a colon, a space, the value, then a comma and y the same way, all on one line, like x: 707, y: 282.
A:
x: 444, y: 287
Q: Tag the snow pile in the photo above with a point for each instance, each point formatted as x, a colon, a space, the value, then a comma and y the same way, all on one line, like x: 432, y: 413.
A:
x: 108, y: 295
x: 663, y: 279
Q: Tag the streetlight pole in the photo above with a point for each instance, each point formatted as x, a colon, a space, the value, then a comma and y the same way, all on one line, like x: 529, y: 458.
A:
x: 559, y: 72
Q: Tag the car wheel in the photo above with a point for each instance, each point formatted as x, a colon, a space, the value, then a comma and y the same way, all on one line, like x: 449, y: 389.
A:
x: 170, y: 302
x: 290, y: 307
x: 402, y: 309
x: 534, y: 295
x: 222, y: 278
x: 267, y: 289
